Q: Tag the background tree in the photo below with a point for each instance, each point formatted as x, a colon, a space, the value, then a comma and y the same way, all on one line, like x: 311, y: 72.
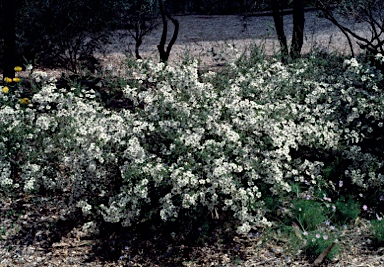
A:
x: 298, y: 28
x: 56, y: 33
x: 279, y: 27
x: 142, y: 20
x: 164, y: 52
x: 65, y: 33
x: 9, y: 37
x: 369, y: 11
x: 279, y: 10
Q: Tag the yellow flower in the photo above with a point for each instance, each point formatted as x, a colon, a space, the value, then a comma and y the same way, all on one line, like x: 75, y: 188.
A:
x: 18, y: 68
x: 7, y: 80
x: 16, y: 79
x: 5, y: 89
x: 24, y: 101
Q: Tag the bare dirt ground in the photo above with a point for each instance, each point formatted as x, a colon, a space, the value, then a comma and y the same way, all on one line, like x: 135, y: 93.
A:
x: 34, y: 235
x: 228, y: 36
x: 28, y: 239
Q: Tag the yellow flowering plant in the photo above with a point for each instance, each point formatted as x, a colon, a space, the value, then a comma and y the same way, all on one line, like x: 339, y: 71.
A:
x: 5, y: 89
x: 25, y: 101
x: 15, y: 79
x: 7, y: 80
x: 10, y: 93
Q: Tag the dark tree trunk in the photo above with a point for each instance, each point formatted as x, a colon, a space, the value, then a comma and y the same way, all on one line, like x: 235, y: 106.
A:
x: 164, y: 53
x: 9, y: 57
x: 139, y: 41
x: 279, y: 26
x: 298, y: 28
x: 141, y: 23
x: 137, y: 49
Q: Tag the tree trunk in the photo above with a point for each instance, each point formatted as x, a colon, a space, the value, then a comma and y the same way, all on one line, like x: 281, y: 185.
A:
x: 298, y: 28
x: 9, y: 56
x: 279, y: 26
x: 138, y: 39
x: 137, y: 47
x: 164, y: 53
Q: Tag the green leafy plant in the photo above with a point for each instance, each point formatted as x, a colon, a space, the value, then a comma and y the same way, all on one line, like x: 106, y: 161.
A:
x: 313, y: 232
x: 347, y: 210
x: 309, y: 214
x: 315, y: 244
x: 377, y: 230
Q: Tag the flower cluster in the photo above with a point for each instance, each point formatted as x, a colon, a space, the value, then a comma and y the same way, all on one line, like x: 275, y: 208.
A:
x: 195, y: 142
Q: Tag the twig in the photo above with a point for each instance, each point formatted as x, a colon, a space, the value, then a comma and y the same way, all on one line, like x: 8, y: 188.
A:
x: 265, y: 261
x: 321, y: 257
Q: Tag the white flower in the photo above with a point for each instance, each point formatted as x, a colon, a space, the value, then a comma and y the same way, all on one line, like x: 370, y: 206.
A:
x: 30, y: 185
x: 29, y: 67
x: 42, y: 122
x: 5, y: 182
x: 244, y: 228
x: 85, y: 207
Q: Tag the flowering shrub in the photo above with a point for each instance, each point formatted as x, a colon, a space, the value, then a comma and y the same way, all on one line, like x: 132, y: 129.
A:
x: 193, y: 142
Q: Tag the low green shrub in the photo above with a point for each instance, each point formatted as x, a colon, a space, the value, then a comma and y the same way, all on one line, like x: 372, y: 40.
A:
x: 309, y: 214
x: 347, y: 210
x: 377, y: 229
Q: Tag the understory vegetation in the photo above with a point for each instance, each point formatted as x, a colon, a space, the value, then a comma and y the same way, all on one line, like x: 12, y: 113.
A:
x: 256, y: 145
